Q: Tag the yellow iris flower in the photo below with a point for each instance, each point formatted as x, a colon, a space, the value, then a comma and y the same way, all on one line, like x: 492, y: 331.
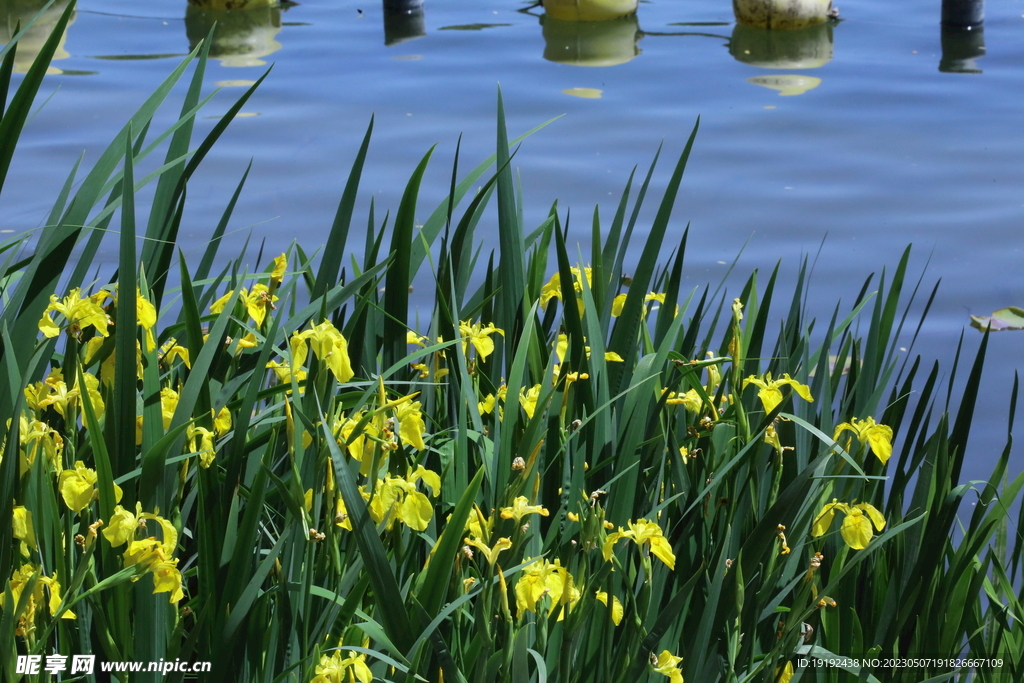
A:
x: 79, y: 313
x: 770, y: 393
x: 528, y: 399
x: 490, y: 553
x: 19, y: 580
x: 479, y: 335
x: 398, y: 498
x: 857, y: 523
x: 553, y: 288
x: 521, y: 507
x: 258, y: 301
x: 690, y: 400
x: 171, y: 350
x: 37, y: 437
x: 878, y: 437
x: 78, y: 487
x: 545, y: 578
x: 332, y: 668
x: 668, y: 665
x: 200, y: 441
x: 643, y: 531
x: 619, y: 302
x: 151, y: 555
x: 328, y: 345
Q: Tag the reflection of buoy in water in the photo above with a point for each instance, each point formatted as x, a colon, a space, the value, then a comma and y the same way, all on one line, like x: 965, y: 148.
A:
x: 589, y: 10
x: 806, y: 48
x: 784, y: 14
x: 585, y: 93
x: 590, y: 43
x: 31, y: 42
x: 242, y: 37
x: 787, y: 84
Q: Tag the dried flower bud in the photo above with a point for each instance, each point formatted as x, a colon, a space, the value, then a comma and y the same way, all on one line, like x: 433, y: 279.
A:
x: 468, y: 552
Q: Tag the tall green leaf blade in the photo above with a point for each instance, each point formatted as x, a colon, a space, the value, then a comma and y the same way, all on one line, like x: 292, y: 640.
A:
x: 327, y: 276
x: 510, y: 240
x: 625, y: 332
x: 399, y: 275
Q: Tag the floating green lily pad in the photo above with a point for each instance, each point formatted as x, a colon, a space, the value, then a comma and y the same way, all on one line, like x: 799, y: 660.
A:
x: 1010, y: 318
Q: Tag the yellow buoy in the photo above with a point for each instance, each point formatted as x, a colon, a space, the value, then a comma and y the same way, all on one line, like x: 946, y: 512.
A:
x: 589, y: 10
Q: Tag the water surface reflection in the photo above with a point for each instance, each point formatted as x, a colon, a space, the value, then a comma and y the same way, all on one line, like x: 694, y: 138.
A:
x: 243, y: 36
x: 591, y: 43
x: 13, y: 12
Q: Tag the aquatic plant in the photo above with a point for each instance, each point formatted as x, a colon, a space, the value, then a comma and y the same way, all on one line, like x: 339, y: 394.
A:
x: 566, y: 474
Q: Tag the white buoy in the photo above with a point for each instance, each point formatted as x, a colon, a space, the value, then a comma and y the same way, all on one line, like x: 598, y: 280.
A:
x: 781, y: 14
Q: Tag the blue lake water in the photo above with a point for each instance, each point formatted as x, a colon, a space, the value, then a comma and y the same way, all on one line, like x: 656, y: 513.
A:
x: 871, y: 149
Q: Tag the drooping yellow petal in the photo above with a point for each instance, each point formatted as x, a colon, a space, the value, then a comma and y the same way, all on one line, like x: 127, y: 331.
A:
x: 617, y: 609
x: 122, y: 525
x: 280, y: 264
x: 609, y: 544
x: 856, y: 529
x: 824, y: 519
x: 430, y: 478
x: 145, y: 314
x: 411, y: 426
x: 22, y: 526
x: 662, y: 549
x: 873, y: 514
x: 528, y: 399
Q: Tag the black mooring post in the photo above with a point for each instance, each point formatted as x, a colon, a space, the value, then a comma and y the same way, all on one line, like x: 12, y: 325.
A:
x: 403, y: 20
x: 963, y: 36
x: 963, y: 13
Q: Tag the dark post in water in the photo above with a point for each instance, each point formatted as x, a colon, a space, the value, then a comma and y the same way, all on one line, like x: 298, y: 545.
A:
x: 963, y: 36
